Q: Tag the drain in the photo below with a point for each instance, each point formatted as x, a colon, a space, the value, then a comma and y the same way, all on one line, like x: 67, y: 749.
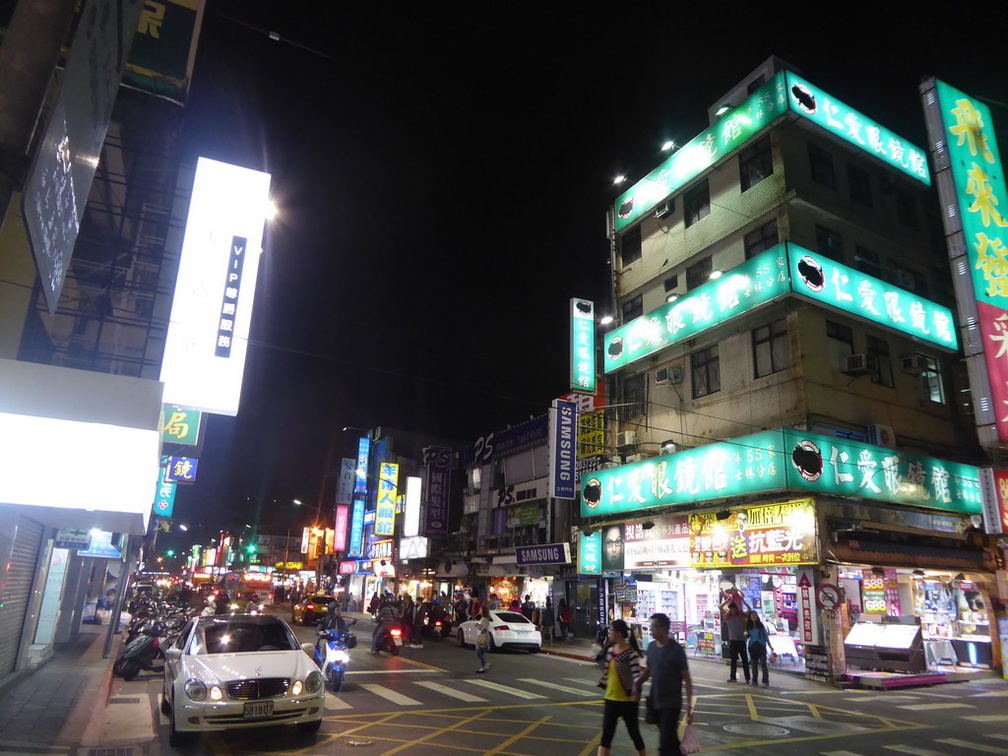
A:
x: 757, y: 730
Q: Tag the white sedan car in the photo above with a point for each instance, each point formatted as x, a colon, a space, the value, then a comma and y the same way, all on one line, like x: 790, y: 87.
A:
x: 507, y: 630
x: 237, y: 671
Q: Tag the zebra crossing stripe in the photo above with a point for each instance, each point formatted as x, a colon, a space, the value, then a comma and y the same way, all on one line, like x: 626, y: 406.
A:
x: 839, y: 753
x: 332, y: 703
x: 985, y: 718
x: 555, y: 686
x: 935, y: 706
x: 913, y: 751
x: 459, y: 694
x: 390, y: 695
x: 505, y: 689
x: 983, y: 748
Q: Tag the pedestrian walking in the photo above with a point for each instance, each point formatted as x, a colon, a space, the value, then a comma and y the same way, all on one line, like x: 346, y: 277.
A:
x: 620, y: 664
x: 668, y: 670
x: 408, y: 616
x: 528, y: 608
x: 483, y: 640
x: 548, y: 620
x: 565, y: 618
x: 373, y: 605
x: 758, y: 643
x: 735, y: 626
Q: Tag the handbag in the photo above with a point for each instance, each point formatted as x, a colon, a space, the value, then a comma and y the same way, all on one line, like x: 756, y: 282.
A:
x: 689, y: 743
x: 650, y: 714
x: 483, y: 640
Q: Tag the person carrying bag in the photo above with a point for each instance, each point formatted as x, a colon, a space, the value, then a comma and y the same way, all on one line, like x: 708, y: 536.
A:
x: 620, y: 671
x: 759, y: 646
x: 483, y: 639
x: 668, y: 671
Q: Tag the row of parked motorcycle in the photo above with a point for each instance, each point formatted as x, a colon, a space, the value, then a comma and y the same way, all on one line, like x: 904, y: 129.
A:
x: 154, y: 624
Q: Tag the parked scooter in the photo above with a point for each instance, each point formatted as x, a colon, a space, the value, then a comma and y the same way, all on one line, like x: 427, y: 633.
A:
x: 143, y: 652
x: 332, y: 654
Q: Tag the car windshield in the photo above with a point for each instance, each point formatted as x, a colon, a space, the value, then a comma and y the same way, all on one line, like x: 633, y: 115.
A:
x: 235, y: 637
x: 324, y: 600
x: 513, y: 618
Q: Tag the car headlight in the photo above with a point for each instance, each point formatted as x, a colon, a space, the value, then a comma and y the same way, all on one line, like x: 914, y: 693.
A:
x: 313, y: 682
x: 233, y: 607
x: 296, y: 688
x: 195, y: 689
x: 216, y: 694
x: 341, y: 656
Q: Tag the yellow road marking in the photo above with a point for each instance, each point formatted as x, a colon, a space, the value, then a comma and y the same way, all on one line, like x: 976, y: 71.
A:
x: 753, y: 714
x: 423, y: 665
x: 519, y: 735
x: 592, y: 745
x: 814, y: 711
x: 440, y: 731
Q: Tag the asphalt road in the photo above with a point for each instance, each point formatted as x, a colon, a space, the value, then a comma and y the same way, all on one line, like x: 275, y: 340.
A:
x: 429, y: 702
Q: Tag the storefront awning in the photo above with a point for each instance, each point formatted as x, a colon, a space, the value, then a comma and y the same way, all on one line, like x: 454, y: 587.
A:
x: 908, y: 555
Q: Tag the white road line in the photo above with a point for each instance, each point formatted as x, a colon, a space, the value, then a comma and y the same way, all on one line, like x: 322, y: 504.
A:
x: 974, y: 746
x: 390, y: 695
x: 404, y: 671
x: 890, y: 698
x: 454, y: 693
x: 985, y: 717
x: 555, y: 686
x: 838, y: 753
x: 991, y: 694
x: 333, y: 704
x: 935, y: 706
x: 998, y: 735
x: 914, y: 751
x: 505, y: 689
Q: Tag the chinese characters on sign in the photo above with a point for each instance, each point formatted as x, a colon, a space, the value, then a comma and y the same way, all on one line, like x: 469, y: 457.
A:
x: 437, y: 461
x: 665, y: 544
x: 388, y: 479
x: 774, y: 534
x: 180, y: 425
x: 181, y: 470
x: 582, y: 337
x: 229, y: 305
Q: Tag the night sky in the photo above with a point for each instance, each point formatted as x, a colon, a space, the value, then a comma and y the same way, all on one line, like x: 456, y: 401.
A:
x: 443, y: 177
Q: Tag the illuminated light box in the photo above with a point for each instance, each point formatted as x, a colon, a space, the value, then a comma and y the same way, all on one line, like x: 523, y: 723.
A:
x: 204, y: 358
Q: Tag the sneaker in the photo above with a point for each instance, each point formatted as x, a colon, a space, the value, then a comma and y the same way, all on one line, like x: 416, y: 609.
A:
x: 488, y: 665
x: 766, y: 684
x: 732, y: 679
x: 481, y: 670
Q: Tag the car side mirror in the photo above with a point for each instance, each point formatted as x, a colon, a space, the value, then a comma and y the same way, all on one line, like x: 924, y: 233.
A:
x: 308, y: 648
x: 173, y: 653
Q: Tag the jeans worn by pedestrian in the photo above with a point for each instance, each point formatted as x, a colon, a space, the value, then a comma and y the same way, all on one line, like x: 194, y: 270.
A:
x: 758, y: 656
x: 737, y: 648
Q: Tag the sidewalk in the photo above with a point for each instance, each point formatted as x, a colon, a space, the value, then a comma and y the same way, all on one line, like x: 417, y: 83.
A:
x: 49, y: 711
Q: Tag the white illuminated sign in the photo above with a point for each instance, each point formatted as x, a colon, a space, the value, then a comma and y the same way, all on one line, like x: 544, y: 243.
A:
x: 204, y: 357
x: 411, y: 520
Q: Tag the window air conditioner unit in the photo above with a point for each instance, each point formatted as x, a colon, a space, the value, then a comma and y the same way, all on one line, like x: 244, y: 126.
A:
x: 672, y: 374
x: 664, y: 208
x: 631, y: 458
x: 915, y: 364
x: 855, y: 364
x: 626, y: 440
x: 882, y: 435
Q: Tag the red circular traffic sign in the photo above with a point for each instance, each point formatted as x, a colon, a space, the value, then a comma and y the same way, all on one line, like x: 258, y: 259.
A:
x: 828, y: 596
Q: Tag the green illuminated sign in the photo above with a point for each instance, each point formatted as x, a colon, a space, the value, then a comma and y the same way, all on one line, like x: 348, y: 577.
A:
x: 780, y: 460
x: 751, y: 284
x: 582, y: 339
x: 738, y: 127
x: 820, y: 279
x: 848, y: 124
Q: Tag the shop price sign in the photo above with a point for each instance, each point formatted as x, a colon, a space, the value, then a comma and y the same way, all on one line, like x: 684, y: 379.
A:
x: 730, y: 132
x: 750, y: 464
x: 745, y: 287
x: 824, y: 281
x: 773, y: 534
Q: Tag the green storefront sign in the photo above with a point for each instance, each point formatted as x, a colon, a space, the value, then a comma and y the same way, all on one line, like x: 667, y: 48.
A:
x: 731, y: 132
x: 782, y: 460
x: 582, y: 344
x: 822, y: 280
x: 782, y: 270
x: 180, y: 425
x: 844, y: 122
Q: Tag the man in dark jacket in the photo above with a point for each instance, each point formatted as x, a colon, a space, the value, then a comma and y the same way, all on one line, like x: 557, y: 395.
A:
x: 668, y: 670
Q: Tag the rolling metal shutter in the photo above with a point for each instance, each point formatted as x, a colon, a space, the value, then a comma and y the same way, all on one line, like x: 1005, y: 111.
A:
x: 15, y: 589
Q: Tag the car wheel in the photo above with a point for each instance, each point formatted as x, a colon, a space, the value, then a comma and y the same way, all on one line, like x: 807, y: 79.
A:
x: 165, y: 706
x: 461, y: 639
x: 338, y: 682
x: 534, y: 650
x: 309, y: 728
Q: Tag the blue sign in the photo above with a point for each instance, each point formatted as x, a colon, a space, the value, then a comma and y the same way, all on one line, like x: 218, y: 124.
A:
x: 527, y: 434
x: 363, y: 452
x: 101, y: 546
x: 562, y: 449
x: 356, y: 542
x: 164, y: 499
x: 181, y: 470
x: 546, y: 553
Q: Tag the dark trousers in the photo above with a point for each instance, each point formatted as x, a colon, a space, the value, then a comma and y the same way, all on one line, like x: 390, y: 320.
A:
x: 737, y: 649
x: 614, y: 712
x: 563, y: 631
x: 757, y: 656
x: 668, y: 732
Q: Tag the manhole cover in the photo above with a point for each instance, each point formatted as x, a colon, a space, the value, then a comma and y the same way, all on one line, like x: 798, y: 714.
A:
x: 757, y: 730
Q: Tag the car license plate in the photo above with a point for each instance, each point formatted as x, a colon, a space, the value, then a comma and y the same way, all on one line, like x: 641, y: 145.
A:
x: 254, y: 709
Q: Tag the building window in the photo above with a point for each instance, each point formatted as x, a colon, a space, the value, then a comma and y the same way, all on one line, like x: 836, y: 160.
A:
x: 929, y: 382
x: 756, y: 83
x: 760, y: 240
x: 706, y: 370
x: 821, y: 166
x: 839, y: 343
x: 755, y: 164
x: 633, y: 308
x: 829, y: 243
x: 867, y: 261
x: 860, y: 186
x: 696, y: 203
x: 771, y: 352
x: 698, y: 273
x: 630, y: 246
x: 906, y: 209
x: 879, y: 361
x: 671, y: 283
x: 634, y: 398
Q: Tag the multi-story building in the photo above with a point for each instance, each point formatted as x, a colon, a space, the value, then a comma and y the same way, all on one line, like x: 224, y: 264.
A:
x: 793, y: 415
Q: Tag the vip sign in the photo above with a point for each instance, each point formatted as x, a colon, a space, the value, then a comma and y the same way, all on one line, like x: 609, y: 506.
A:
x: 582, y: 344
x: 388, y: 479
x: 207, y: 339
x: 975, y: 200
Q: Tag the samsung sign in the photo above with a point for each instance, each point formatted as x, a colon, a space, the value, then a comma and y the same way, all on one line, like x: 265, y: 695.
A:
x: 548, y: 553
x: 204, y: 357
x: 562, y: 449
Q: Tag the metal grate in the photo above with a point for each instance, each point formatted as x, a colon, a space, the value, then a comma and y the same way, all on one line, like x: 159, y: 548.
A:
x: 127, y: 751
x: 269, y: 687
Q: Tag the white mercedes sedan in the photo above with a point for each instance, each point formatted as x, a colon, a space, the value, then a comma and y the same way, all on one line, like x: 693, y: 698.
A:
x: 237, y: 671
x: 507, y: 630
